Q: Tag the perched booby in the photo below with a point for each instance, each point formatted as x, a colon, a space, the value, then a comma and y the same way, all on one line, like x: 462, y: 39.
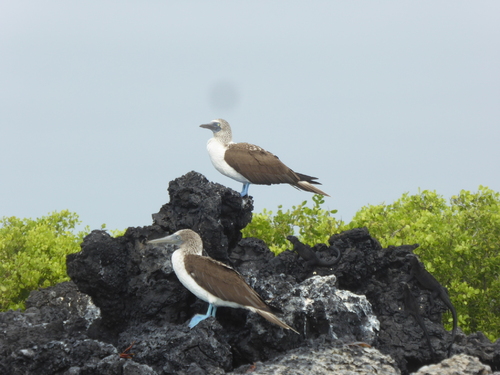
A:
x: 250, y: 164
x: 213, y: 281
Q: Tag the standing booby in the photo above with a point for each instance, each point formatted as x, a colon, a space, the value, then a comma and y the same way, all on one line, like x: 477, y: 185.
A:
x: 250, y: 164
x: 213, y: 281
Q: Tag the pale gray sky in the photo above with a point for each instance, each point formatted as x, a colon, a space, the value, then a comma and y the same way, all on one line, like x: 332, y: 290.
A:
x: 100, y: 101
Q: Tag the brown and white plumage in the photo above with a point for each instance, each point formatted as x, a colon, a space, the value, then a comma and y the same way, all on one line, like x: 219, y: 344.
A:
x: 251, y: 164
x: 213, y: 281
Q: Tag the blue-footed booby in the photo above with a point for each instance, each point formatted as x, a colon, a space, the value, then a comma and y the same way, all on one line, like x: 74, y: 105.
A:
x: 250, y: 164
x: 212, y: 281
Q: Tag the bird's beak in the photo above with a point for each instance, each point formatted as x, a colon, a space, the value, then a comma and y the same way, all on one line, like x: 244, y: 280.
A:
x: 213, y: 127
x: 172, y: 239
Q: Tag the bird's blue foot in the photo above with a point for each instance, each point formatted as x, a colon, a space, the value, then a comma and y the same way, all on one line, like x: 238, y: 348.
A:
x: 244, y: 192
x: 199, y: 317
x: 196, y: 319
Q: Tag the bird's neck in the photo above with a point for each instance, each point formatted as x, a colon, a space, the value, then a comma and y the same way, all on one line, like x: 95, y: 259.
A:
x: 224, y: 138
x: 195, y: 249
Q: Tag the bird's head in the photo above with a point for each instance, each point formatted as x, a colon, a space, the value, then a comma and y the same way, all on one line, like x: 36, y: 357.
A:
x: 220, y: 128
x: 190, y: 239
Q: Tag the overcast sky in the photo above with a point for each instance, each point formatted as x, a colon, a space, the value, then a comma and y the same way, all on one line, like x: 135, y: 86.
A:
x: 101, y: 101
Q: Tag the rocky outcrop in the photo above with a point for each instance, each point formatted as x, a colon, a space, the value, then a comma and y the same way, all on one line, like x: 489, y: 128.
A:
x: 459, y: 364
x: 323, y: 359
x: 125, y: 312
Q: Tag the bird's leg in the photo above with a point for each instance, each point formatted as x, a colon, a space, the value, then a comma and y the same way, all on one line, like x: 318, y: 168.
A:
x: 209, y: 310
x: 199, y: 317
x: 244, y: 192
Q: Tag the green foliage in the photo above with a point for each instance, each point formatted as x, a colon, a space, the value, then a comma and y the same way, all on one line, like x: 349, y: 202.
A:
x: 459, y: 244
x: 33, y: 254
x: 116, y: 232
x: 314, y: 225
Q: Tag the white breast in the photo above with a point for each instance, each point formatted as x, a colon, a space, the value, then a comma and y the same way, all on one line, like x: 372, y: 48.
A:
x: 186, y: 279
x: 216, y: 152
x: 192, y: 286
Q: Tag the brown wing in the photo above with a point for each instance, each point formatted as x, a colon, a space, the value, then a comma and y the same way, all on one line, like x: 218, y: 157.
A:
x: 258, y: 165
x: 223, y: 282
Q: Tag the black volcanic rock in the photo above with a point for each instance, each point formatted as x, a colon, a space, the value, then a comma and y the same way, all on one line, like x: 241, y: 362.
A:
x: 51, y: 335
x: 124, y: 294
x: 215, y: 212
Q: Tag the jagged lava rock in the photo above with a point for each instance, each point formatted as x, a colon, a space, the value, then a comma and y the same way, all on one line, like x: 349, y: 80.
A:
x: 129, y: 283
x: 215, y: 212
x: 51, y: 335
x: 366, y: 268
x: 141, y: 300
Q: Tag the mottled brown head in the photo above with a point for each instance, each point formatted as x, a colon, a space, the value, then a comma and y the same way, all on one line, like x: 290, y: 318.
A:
x: 187, y: 239
x: 221, y: 129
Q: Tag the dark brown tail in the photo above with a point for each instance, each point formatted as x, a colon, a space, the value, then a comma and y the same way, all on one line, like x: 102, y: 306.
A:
x: 307, y: 183
x: 274, y: 319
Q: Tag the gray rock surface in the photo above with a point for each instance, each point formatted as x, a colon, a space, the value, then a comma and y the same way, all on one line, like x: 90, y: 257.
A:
x: 461, y: 364
x: 325, y: 359
x: 322, y: 304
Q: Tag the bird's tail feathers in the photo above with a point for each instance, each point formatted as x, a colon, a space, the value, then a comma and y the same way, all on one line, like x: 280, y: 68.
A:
x: 274, y: 319
x: 310, y: 179
x: 307, y: 186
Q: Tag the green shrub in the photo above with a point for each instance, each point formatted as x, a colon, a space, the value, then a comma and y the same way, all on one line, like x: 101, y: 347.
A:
x: 312, y: 225
x: 459, y: 244
x: 115, y: 232
x: 33, y: 254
